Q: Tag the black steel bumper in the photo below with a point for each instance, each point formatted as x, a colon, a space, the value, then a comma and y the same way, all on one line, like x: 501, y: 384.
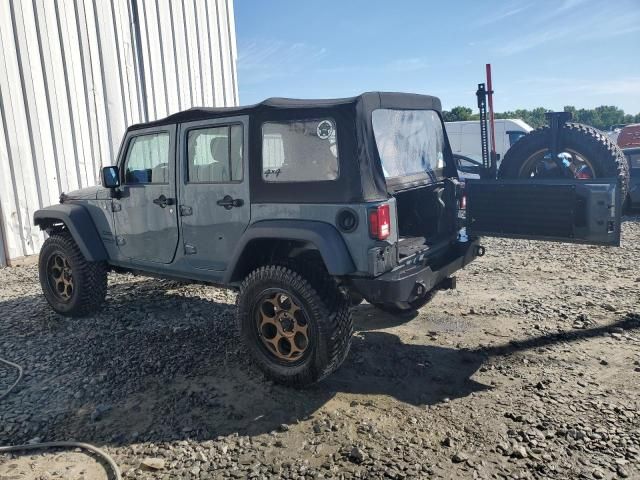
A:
x: 424, y: 273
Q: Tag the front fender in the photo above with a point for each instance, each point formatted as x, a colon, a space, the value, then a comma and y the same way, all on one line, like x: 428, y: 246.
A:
x: 324, y: 236
x: 78, y: 221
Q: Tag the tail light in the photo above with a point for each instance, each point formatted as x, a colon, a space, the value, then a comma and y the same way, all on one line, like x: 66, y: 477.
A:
x: 380, y: 222
x: 463, y: 202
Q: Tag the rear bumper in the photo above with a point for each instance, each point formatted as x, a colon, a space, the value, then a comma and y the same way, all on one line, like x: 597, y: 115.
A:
x: 426, y: 272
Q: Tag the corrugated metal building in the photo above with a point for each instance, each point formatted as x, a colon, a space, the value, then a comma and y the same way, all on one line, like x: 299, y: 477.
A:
x: 75, y: 73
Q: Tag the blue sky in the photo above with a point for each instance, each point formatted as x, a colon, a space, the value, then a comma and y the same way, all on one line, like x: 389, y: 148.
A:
x: 544, y: 53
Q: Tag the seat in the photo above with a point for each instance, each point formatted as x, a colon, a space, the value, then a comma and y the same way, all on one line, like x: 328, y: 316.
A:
x: 219, y: 169
x: 159, y: 173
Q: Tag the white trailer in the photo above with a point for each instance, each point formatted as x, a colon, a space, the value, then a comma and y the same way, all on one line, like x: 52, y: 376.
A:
x: 465, y: 136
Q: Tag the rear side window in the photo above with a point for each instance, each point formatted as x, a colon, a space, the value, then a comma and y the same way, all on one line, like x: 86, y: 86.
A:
x: 215, y: 154
x: 300, y: 151
x: 148, y: 159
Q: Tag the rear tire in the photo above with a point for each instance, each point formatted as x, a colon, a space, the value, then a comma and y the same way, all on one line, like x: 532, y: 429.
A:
x: 604, y: 156
x: 73, y: 286
x: 313, y: 308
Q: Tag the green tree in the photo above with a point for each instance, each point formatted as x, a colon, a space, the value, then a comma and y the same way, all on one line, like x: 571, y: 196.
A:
x: 602, y: 117
x: 458, y: 114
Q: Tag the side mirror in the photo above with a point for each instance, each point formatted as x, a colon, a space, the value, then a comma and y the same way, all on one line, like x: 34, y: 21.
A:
x: 111, y: 177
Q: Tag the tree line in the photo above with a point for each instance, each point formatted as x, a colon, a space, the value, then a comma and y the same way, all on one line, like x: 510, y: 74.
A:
x: 603, y: 117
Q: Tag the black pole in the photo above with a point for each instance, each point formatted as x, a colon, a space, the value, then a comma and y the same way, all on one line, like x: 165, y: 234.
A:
x: 481, y: 93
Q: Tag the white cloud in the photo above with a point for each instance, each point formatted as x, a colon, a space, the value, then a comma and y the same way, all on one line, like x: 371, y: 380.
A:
x: 572, y: 21
x: 264, y: 59
x: 412, y: 64
x: 500, y: 15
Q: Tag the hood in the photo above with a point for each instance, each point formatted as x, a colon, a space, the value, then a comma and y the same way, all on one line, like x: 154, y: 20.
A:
x: 89, y: 193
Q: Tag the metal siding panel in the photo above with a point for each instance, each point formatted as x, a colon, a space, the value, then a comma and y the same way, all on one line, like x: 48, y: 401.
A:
x: 183, y: 39
x: 204, y: 60
x: 113, y: 82
x: 75, y: 88
x: 96, y: 136
x: 59, y: 102
x: 69, y: 86
x: 232, y: 54
x: 179, y: 54
x: 99, y: 109
x: 9, y: 201
x: 29, y: 73
x: 192, y: 52
x: 225, y: 52
x: 17, y: 136
x: 45, y: 146
x: 147, y: 64
x: 223, y: 49
x: 216, y: 53
x: 168, y: 55
x: 155, y: 60
x: 122, y: 31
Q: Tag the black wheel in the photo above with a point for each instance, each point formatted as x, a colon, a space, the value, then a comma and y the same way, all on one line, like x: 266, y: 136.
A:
x: 401, y: 308
x: 295, y: 324
x: 586, y: 154
x: 73, y: 286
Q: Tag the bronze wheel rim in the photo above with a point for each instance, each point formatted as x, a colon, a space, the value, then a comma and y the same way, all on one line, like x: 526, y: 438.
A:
x: 282, y: 326
x: 577, y: 163
x: 60, y: 277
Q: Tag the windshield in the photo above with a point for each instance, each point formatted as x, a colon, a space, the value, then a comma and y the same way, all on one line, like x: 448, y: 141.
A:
x: 409, y: 142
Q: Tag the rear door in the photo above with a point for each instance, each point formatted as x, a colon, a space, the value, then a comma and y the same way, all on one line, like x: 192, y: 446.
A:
x: 575, y: 211
x: 214, y: 189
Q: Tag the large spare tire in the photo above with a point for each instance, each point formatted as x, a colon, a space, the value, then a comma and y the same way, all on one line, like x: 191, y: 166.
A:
x: 586, y: 154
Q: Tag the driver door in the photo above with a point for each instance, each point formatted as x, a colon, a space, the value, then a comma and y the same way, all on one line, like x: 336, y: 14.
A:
x: 146, y: 219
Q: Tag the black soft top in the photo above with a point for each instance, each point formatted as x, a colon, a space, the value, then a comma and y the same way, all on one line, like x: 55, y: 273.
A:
x: 361, y: 177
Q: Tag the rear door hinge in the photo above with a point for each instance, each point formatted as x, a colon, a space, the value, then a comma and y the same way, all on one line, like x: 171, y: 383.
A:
x: 115, y: 207
x: 190, y: 249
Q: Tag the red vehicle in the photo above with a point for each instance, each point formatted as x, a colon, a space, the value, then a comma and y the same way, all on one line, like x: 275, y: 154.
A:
x: 629, y: 136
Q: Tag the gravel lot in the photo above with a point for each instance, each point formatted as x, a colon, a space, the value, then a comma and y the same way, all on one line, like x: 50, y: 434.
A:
x: 529, y: 369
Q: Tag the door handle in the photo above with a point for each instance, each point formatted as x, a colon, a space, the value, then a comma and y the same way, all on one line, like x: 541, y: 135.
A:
x: 228, y: 202
x: 163, y: 201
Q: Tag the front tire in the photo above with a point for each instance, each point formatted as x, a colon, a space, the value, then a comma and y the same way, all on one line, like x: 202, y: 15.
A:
x: 73, y: 286
x: 296, y: 324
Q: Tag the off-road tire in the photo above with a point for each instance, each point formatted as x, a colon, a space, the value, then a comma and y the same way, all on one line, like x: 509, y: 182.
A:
x: 326, y: 308
x: 90, y: 278
x: 607, y: 159
x: 410, y: 307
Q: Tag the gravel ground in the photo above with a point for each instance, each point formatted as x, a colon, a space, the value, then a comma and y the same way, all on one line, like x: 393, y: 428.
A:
x: 529, y: 369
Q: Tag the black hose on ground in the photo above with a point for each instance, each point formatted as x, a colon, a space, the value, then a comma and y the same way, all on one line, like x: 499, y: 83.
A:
x: 39, y: 446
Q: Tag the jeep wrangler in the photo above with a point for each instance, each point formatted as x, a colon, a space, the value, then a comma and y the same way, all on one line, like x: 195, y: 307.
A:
x: 307, y: 207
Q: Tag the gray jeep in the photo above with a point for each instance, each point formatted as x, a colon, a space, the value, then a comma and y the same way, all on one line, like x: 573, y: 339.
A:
x: 306, y: 207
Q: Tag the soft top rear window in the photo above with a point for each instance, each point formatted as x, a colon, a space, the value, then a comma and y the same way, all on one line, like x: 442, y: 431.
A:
x: 409, y: 142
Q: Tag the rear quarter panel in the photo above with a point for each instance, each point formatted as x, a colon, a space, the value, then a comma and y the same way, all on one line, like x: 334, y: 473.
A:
x: 358, y: 241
